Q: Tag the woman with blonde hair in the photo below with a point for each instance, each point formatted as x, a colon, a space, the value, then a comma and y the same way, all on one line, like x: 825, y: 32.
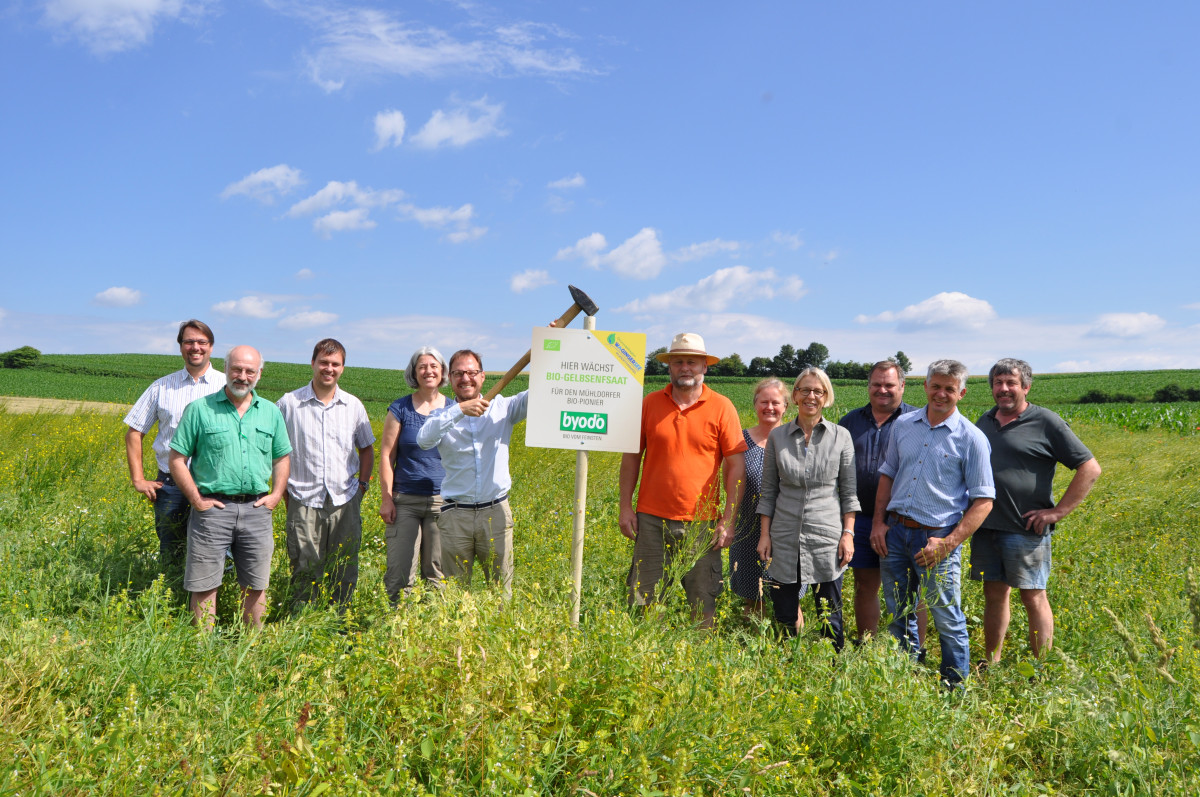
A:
x: 745, y: 569
x: 807, y: 509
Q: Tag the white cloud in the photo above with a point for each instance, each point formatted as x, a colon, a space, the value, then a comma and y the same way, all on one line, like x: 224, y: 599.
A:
x: 3, y: 313
x: 266, y: 185
x: 113, y: 26
x: 363, y: 41
x: 343, y: 221
x: 335, y: 194
x: 736, y: 285
x: 305, y: 274
x: 438, y: 218
x: 464, y: 235
x: 118, y: 296
x: 788, y: 240
x: 248, y: 307
x: 389, y: 129
x: 587, y: 249
x: 529, y: 279
x: 1126, y: 325
x: 307, y: 319
x: 574, y: 181
x: 705, y: 249
x: 639, y: 257
x: 946, y: 309
x: 1193, y: 306
x: 460, y: 126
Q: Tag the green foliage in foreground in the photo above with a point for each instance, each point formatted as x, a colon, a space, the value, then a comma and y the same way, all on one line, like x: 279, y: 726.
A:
x: 105, y: 688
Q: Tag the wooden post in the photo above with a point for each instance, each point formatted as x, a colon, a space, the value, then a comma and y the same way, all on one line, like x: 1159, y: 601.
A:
x: 581, y: 477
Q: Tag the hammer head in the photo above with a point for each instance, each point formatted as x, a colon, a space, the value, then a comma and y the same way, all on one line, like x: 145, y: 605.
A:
x: 584, y: 301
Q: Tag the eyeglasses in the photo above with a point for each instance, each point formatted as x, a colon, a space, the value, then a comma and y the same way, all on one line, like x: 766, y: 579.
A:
x: 811, y: 391
x: 467, y: 374
x: 196, y: 342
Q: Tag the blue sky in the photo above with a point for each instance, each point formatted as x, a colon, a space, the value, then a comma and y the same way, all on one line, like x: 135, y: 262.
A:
x: 957, y: 180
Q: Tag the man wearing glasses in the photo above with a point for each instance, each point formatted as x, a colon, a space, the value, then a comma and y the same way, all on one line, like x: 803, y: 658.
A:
x: 472, y: 437
x: 163, y: 403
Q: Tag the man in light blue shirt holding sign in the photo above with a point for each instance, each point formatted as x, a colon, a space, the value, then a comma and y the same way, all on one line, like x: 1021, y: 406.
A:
x: 472, y: 438
x: 935, y: 489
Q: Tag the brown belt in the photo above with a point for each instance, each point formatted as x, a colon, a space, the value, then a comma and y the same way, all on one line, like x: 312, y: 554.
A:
x: 909, y: 523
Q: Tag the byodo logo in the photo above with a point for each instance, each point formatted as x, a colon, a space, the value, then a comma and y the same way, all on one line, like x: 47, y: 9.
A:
x: 594, y: 422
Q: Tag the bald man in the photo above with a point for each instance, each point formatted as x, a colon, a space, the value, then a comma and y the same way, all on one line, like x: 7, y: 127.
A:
x: 238, y: 446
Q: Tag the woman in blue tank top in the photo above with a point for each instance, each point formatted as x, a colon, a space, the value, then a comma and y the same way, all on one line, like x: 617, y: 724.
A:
x: 411, y: 479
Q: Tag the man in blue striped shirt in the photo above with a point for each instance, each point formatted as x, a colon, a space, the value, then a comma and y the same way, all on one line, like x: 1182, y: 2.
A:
x: 935, y: 489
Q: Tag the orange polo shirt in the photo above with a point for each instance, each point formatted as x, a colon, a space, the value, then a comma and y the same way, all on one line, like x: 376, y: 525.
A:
x: 683, y: 450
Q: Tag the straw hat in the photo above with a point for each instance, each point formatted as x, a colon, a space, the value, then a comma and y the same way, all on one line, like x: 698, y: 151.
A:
x: 687, y: 344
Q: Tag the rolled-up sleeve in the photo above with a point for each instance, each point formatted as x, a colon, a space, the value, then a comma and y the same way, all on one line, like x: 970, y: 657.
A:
x: 847, y: 476
x: 977, y: 468
x: 438, y: 424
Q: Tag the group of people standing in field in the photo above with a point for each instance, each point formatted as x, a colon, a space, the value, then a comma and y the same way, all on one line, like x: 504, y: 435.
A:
x: 890, y: 491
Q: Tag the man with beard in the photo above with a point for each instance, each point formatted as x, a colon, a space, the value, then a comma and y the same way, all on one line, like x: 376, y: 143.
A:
x: 689, y: 435
x: 163, y: 403
x: 1012, y: 549
x: 238, y: 446
x: 871, y: 429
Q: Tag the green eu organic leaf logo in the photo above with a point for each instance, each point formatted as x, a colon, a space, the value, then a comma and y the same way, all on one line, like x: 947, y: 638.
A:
x: 550, y: 345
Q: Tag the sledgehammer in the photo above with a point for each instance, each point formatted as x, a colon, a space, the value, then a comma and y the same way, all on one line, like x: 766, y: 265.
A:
x: 581, y: 303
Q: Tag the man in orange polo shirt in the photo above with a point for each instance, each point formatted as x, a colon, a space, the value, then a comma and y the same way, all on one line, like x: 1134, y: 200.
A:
x: 689, y: 433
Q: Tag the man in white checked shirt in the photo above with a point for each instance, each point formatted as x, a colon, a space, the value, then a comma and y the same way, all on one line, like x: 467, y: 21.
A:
x: 163, y: 403
x: 332, y: 456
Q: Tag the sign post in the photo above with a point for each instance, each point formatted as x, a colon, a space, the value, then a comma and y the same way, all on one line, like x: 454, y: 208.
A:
x: 585, y: 393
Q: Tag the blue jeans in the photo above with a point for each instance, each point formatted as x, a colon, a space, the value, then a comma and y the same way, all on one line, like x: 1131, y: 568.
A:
x: 171, y: 512
x: 902, y: 577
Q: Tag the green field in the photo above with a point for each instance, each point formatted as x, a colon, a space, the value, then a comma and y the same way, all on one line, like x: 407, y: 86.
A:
x: 121, y: 378
x: 106, y: 688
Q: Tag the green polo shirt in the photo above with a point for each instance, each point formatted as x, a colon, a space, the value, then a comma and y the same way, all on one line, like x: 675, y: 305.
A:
x: 231, y: 454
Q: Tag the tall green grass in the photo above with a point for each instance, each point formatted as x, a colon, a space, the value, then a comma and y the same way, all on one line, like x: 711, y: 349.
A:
x: 106, y: 688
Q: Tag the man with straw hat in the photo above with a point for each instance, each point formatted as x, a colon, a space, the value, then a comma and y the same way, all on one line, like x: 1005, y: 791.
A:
x: 691, y: 436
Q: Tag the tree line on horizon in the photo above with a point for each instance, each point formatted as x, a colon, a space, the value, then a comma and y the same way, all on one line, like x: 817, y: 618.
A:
x: 787, y: 364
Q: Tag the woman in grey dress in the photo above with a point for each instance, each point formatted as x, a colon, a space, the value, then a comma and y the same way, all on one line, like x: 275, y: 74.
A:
x: 745, y: 569
x: 807, y: 509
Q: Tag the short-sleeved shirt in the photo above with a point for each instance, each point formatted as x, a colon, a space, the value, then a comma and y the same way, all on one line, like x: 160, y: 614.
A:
x: 164, y: 402
x: 871, y: 442
x: 325, y: 439
x: 683, y: 454
x: 231, y: 454
x: 937, y: 471
x: 1025, y: 452
x: 418, y: 471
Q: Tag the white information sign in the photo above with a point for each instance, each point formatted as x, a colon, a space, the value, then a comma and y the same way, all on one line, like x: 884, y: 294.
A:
x: 585, y: 390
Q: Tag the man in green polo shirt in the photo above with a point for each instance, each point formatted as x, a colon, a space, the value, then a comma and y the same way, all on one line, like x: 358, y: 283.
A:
x: 238, y: 446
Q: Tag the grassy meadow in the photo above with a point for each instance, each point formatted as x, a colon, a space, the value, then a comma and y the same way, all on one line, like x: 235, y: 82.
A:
x: 105, y: 687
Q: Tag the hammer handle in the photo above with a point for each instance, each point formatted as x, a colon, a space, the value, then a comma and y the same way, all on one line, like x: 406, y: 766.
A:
x: 511, y: 374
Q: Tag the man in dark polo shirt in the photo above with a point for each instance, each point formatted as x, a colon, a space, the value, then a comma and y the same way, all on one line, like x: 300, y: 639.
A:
x: 1012, y: 548
x: 871, y: 429
x: 238, y: 445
